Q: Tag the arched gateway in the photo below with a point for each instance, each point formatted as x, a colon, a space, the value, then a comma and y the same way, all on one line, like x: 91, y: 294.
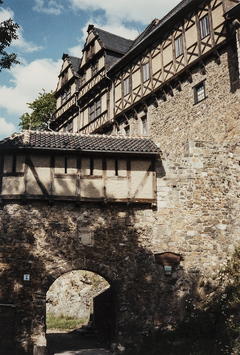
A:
x: 71, y: 202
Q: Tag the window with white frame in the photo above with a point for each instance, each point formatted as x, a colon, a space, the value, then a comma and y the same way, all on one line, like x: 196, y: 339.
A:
x: 204, y: 27
x: 146, y: 71
x: 199, y: 92
x: 126, y: 86
x: 179, y: 46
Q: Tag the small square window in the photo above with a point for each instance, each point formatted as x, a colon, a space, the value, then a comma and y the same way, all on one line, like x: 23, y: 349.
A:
x: 179, y: 46
x: 126, y: 86
x: 199, y: 92
x: 204, y: 27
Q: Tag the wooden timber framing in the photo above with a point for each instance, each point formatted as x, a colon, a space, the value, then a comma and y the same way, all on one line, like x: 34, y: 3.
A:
x: 112, y: 178
x: 166, y: 67
x: 171, y: 50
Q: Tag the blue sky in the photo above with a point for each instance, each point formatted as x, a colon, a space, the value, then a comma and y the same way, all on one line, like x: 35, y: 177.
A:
x: 49, y: 28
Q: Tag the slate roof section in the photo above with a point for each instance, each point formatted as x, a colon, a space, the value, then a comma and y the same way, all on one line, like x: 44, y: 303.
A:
x: 73, y: 61
x: 78, y: 142
x: 113, y: 42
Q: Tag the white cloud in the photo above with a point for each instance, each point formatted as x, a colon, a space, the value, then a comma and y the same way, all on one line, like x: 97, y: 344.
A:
x: 52, y: 7
x: 119, y: 17
x: 5, y: 14
x: 6, y: 128
x: 127, y: 11
x: 26, y: 83
x: 23, y: 46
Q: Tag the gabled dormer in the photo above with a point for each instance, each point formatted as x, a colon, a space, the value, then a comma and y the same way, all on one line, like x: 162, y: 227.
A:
x: 67, y: 87
x: 101, y: 50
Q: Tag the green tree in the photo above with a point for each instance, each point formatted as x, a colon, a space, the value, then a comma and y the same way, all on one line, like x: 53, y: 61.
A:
x: 43, y: 112
x: 8, y: 30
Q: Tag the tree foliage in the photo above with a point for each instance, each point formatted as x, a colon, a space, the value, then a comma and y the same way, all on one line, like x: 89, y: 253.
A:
x: 43, y: 112
x: 8, y: 30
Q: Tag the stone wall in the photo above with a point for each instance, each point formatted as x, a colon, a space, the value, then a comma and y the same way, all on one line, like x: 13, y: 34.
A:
x: 216, y: 118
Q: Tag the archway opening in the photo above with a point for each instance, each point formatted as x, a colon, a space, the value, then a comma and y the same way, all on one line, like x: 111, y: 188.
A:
x: 80, y: 313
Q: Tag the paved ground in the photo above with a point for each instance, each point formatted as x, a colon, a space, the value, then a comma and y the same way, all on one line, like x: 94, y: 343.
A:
x: 73, y: 343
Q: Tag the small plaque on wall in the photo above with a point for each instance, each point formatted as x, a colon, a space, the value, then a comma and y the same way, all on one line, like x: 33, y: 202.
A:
x: 85, y: 236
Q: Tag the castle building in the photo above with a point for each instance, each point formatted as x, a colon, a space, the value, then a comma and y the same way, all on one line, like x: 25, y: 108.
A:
x: 138, y: 182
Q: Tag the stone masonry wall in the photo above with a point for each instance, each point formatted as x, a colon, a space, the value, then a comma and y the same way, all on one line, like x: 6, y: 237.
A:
x: 216, y: 118
x: 197, y: 216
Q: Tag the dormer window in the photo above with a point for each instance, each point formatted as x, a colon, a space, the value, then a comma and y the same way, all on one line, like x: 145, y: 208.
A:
x: 64, y: 77
x: 94, y: 68
x: 90, y: 51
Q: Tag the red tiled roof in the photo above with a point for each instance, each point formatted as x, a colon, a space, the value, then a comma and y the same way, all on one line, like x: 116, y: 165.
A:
x: 79, y: 142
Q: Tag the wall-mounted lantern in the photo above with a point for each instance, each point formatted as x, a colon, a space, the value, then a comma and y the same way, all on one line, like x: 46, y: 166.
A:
x: 168, y: 260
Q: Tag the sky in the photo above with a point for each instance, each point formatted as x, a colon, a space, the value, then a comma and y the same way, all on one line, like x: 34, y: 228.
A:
x: 49, y: 28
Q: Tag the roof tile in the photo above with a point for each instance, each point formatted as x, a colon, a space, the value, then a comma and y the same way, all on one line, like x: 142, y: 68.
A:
x: 80, y: 142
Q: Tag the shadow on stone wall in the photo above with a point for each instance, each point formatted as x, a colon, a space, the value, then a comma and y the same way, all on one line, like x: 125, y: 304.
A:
x: 173, y: 315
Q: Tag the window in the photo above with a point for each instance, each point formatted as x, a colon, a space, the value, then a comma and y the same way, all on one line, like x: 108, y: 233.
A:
x: 91, y: 166
x: 95, y: 110
x: 92, y: 112
x: 90, y: 51
x: 199, y: 92
x: 116, y: 167
x: 66, y: 95
x: 65, y: 165
x: 83, y: 78
x: 94, y: 68
x: 204, y: 27
x: 179, y: 46
x: 146, y: 72
x: 98, y: 107
x: 126, y: 86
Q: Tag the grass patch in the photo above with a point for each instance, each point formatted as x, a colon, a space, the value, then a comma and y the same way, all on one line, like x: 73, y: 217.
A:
x: 64, y: 322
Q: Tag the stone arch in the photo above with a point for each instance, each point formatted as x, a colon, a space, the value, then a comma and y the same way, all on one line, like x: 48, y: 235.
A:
x: 56, y: 271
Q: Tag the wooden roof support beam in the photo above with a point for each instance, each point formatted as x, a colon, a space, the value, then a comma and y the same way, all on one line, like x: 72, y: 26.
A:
x: 203, y: 68
x: 217, y: 57
x: 179, y: 85
x: 189, y: 77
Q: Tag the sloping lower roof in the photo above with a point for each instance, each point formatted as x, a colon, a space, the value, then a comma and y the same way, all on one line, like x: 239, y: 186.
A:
x: 78, y: 142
